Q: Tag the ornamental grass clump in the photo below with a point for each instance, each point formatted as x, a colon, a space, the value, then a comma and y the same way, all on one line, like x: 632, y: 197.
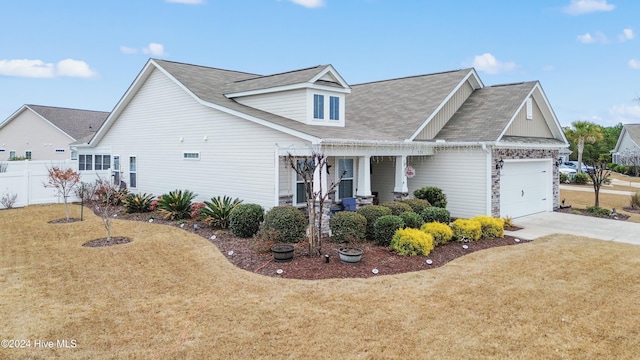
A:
x: 245, y: 219
x: 137, y: 203
x: 412, y: 220
x: 412, y: 242
x: 417, y: 204
x: 466, y: 230
x: 372, y: 213
x: 440, y: 232
x: 347, y: 227
x: 385, y: 227
x: 397, y: 207
x: 217, y: 211
x: 491, y: 227
x: 284, y: 224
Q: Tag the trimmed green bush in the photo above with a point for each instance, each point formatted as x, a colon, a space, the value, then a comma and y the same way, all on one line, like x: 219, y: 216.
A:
x: 217, y: 211
x: 411, y: 242
x: 245, y: 219
x: 581, y: 179
x: 347, y: 226
x: 440, y: 232
x: 433, y: 195
x: 137, y: 203
x: 288, y: 222
x: 385, y: 227
x: 491, y: 227
x: 438, y: 214
x: 466, y: 230
x: 598, y: 211
x: 412, y: 220
x: 397, y: 207
x: 417, y: 204
x: 176, y: 205
x: 372, y: 213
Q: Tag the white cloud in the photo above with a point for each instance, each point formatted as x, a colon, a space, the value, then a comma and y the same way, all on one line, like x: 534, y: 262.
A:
x: 489, y: 64
x: 40, y: 69
x: 128, y: 50
x: 598, y: 37
x: 634, y: 64
x: 188, y: 2
x: 309, y: 3
x: 625, y: 114
x: 154, y: 49
x: 579, y: 7
x: 627, y: 34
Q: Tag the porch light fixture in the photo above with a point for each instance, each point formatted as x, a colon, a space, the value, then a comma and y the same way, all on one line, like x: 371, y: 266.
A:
x: 499, y: 164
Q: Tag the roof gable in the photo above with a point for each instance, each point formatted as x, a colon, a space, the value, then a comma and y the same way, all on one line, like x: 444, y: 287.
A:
x: 632, y: 131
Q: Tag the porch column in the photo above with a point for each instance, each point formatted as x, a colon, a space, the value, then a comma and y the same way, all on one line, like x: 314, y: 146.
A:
x: 316, y: 179
x: 401, y: 189
x: 363, y: 191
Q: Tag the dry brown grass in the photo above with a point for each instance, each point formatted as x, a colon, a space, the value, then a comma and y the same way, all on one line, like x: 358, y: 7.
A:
x: 172, y: 295
x: 582, y: 199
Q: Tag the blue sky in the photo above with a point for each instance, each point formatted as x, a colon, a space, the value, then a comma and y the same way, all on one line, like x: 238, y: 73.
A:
x: 85, y: 54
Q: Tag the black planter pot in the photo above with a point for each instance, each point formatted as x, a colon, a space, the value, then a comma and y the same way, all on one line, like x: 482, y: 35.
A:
x: 350, y: 255
x: 282, y: 252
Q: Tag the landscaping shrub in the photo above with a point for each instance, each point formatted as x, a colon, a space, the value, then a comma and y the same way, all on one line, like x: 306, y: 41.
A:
x: 412, y: 242
x: 245, y: 219
x: 101, y: 193
x: 216, y: 212
x: 385, y: 227
x: 440, y: 232
x: 635, y: 200
x: 397, y: 207
x: 564, y: 178
x: 433, y: 195
x: 491, y: 227
x: 137, y: 203
x: 176, y: 205
x: 288, y: 222
x: 466, y: 230
x: 412, y: 220
x: 433, y: 213
x: 581, y: 179
x: 372, y: 213
x: 598, y: 211
x: 347, y: 226
x: 417, y: 204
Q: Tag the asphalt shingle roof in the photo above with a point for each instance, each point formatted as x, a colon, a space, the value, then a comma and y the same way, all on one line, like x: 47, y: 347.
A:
x: 275, y: 80
x: 75, y: 122
x: 634, y: 132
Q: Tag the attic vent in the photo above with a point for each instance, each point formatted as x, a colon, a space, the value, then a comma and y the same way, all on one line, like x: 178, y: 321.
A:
x: 529, y: 109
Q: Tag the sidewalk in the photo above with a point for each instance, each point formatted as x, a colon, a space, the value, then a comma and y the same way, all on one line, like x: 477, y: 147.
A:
x: 603, y: 189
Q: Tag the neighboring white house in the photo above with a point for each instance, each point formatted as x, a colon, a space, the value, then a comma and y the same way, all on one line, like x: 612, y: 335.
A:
x: 39, y: 132
x: 627, y: 150
x: 492, y: 149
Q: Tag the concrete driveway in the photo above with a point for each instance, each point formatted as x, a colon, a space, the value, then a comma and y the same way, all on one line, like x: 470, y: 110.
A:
x: 547, y: 223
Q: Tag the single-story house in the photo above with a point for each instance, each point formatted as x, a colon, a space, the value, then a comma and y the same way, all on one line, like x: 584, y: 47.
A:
x: 627, y: 150
x: 38, y: 132
x: 492, y: 149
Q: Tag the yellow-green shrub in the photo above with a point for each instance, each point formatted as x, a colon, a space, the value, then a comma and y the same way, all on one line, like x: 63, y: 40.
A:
x: 466, y: 230
x: 441, y: 233
x: 491, y: 227
x: 411, y: 242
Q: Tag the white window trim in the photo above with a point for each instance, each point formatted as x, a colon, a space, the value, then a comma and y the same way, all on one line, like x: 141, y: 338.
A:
x: 353, y: 178
x: 184, y: 156
x: 132, y: 172
x: 529, y: 108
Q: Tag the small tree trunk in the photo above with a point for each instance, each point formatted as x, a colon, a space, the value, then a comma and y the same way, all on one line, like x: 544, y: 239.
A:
x: 580, y: 150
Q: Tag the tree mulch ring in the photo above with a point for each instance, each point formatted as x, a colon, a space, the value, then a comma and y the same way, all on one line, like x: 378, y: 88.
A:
x: 108, y: 242
x: 64, y: 221
x: 584, y: 212
x: 632, y: 210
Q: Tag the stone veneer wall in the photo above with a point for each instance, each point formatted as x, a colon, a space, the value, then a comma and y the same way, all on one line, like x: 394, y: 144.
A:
x: 498, y: 154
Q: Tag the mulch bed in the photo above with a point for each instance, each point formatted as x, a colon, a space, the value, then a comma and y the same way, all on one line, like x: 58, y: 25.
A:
x: 64, y: 221
x: 584, y: 212
x: 255, y: 256
x: 107, y: 242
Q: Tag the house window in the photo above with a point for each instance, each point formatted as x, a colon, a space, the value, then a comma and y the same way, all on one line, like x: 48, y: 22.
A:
x: 334, y: 108
x: 27, y: 155
x: 85, y: 162
x: 102, y: 162
x: 12, y: 155
x: 301, y: 189
x: 345, y: 168
x: 318, y: 106
x: 59, y: 151
x: 191, y: 156
x: 133, y: 171
x: 529, y: 109
x: 116, y: 169
x: 74, y: 155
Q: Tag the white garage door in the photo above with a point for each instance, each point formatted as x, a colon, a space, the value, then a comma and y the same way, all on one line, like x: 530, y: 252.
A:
x: 525, y: 187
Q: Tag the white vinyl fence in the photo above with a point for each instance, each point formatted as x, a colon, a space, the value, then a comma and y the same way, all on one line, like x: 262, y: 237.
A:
x: 26, y: 179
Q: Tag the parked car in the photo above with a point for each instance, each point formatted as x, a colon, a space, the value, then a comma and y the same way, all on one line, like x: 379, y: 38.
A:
x: 574, y: 165
x: 567, y: 170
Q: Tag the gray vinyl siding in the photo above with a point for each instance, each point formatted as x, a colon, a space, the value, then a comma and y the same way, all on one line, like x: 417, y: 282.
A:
x: 626, y: 144
x: 536, y: 127
x: 383, y: 177
x: 446, y: 112
x: 162, y: 121
x: 462, y: 176
x: 289, y: 104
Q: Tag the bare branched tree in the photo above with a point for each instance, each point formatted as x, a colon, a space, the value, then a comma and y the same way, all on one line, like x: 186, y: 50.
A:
x: 64, y: 182
x: 599, y: 176
x: 105, y: 206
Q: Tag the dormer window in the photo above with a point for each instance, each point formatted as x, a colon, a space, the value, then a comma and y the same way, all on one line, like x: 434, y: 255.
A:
x: 334, y: 108
x: 318, y: 106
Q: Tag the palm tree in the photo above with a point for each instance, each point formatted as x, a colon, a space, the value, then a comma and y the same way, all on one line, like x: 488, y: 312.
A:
x: 580, y: 132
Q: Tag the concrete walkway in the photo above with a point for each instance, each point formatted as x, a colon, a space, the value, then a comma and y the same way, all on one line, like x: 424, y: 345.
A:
x: 603, y: 190
x: 547, y: 223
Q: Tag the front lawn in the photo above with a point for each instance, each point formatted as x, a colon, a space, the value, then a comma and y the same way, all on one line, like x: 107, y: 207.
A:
x: 171, y: 294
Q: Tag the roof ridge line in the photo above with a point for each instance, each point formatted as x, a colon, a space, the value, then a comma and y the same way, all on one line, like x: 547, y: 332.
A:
x: 280, y: 73
x: 412, y: 76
